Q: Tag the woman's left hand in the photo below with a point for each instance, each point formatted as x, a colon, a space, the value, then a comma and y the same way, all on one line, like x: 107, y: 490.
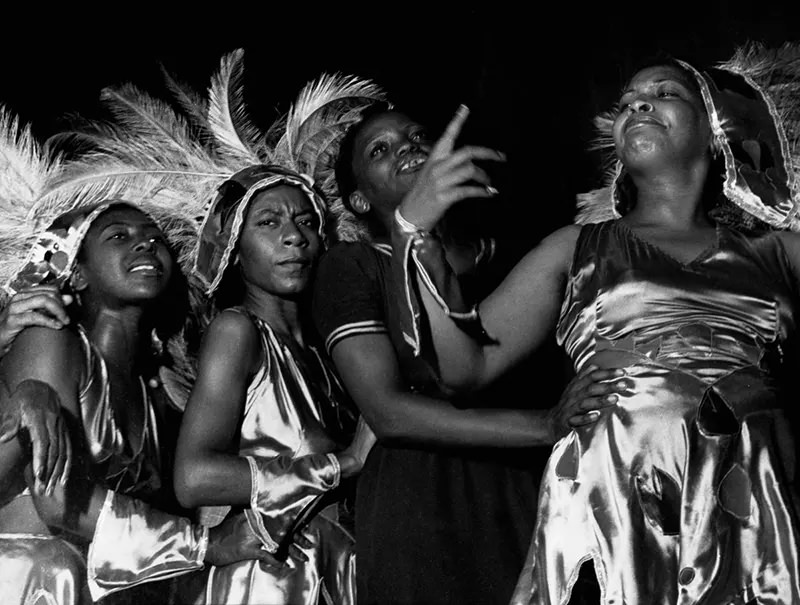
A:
x: 448, y: 177
x: 353, y: 457
x: 589, y: 392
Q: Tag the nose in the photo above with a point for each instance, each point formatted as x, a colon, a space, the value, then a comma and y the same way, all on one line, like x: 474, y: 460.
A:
x: 145, y: 243
x: 406, y: 147
x: 293, y: 236
x: 641, y: 104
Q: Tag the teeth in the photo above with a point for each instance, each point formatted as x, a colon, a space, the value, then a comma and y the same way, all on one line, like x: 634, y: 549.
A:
x: 413, y: 164
x: 143, y: 268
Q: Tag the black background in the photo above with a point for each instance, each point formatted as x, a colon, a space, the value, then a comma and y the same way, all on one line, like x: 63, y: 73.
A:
x: 533, y: 73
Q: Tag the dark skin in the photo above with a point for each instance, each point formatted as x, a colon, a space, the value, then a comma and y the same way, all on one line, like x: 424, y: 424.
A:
x: 391, y: 154
x: 277, y: 251
x: 123, y: 269
x: 662, y: 136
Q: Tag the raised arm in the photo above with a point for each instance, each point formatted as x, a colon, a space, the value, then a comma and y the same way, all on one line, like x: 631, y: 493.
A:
x: 517, y: 316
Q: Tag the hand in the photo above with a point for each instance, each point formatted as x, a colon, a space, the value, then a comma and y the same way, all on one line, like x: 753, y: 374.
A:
x: 353, y: 457
x: 35, y: 409
x: 588, y: 392
x: 448, y: 177
x: 36, y: 306
x: 233, y: 540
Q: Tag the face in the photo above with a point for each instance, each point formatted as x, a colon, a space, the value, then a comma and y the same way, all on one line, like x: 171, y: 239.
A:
x: 389, y: 151
x: 662, y: 116
x: 125, y: 256
x: 280, y: 241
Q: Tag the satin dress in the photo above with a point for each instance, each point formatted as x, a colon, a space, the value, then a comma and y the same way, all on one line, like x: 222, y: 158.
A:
x: 294, y: 408
x: 49, y: 570
x: 683, y: 492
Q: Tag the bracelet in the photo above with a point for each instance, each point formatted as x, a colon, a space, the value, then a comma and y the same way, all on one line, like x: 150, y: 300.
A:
x: 406, y: 226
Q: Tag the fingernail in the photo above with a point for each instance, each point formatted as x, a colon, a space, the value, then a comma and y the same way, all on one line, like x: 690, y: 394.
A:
x: 463, y: 108
x: 491, y: 190
x: 593, y: 415
x: 611, y: 398
x: 622, y: 384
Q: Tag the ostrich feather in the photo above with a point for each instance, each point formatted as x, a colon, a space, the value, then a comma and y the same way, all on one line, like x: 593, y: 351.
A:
x: 236, y: 136
x: 26, y: 169
x: 323, y: 110
x: 193, y: 104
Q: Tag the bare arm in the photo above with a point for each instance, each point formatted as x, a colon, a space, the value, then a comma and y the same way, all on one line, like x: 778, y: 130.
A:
x: 368, y: 367
x: 208, y: 469
x: 518, y: 316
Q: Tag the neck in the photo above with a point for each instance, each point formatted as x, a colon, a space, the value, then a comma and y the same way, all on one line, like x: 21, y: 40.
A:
x: 672, y: 199
x: 282, y: 314
x: 121, y: 335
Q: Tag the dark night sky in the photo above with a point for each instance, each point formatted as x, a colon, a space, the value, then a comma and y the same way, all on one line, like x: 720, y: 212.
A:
x: 533, y: 82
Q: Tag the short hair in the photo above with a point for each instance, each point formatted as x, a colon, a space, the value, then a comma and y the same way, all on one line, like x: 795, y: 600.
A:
x: 343, y: 168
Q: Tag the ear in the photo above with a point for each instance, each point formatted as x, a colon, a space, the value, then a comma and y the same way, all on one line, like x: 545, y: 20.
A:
x: 359, y: 203
x: 78, y: 279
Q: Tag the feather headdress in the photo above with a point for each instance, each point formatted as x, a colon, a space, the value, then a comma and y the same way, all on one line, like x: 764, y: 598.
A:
x: 753, y: 104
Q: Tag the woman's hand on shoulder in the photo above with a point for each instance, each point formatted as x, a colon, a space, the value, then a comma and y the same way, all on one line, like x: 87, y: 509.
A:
x: 36, y: 306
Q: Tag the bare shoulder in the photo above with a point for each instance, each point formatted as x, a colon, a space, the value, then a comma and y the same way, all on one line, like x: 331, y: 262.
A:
x: 52, y: 356
x: 231, y: 339
x: 38, y: 344
x: 555, y: 251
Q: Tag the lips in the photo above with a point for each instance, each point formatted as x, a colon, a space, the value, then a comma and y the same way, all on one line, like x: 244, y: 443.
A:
x: 638, y: 120
x: 412, y: 163
x: 146, y: 266
x: 296, y: 261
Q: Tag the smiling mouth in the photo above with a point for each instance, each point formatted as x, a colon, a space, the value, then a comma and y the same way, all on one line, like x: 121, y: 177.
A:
x: 146, y: 269
x: 412, y: 164
x: 641, y: 121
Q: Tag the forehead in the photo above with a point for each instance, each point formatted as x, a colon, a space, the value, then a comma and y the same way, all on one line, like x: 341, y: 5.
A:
x: 390, y: 121
x: 657, y: 73
x: 121, y: 214
x: 280, y: 198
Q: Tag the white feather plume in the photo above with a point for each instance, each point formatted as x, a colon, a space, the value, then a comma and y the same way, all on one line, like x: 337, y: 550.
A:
x: 237, y: 138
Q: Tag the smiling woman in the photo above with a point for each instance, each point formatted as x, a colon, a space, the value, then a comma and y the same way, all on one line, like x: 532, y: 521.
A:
x: 686, y: 278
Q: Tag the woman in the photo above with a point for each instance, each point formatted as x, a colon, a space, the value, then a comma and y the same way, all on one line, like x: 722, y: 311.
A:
x: 446, y: 500
x: 682, y: 491
x: 266, y: 422
x: 114, y: 260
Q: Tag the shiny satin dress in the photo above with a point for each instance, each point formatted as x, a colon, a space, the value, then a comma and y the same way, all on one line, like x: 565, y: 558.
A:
x: 683, y: 491
x: 296, y: 407
x: 48, y: 570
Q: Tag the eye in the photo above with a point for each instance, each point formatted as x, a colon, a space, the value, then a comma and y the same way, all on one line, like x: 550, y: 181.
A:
x: 118, y: 235
x: 667, y: 93
x: 419, y: 136
x: 266, y: 222
x: 376, y: 149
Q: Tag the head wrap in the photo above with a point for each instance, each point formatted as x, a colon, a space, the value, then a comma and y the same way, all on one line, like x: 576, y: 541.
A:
x: 222, y: 226
x: 753, y: 107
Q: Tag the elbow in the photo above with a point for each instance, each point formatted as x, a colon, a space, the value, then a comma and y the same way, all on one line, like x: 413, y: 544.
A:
x: 189, y: 486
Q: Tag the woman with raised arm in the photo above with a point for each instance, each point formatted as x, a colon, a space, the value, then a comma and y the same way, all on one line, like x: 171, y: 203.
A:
x: 447, y: 499
x: 682, y: 492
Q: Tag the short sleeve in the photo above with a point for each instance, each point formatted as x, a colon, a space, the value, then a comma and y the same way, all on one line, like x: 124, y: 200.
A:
x: 347, y: 295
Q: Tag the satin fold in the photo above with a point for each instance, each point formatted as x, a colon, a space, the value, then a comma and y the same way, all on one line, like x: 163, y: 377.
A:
x: 296, y: 415
x: 134, y: 543
x: 683, y: 492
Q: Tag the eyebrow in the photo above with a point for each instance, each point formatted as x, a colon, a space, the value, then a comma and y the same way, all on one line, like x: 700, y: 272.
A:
x: 659, y: 81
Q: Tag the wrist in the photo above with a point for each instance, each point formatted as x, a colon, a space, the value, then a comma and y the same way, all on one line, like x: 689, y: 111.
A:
x: 407, y: 227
